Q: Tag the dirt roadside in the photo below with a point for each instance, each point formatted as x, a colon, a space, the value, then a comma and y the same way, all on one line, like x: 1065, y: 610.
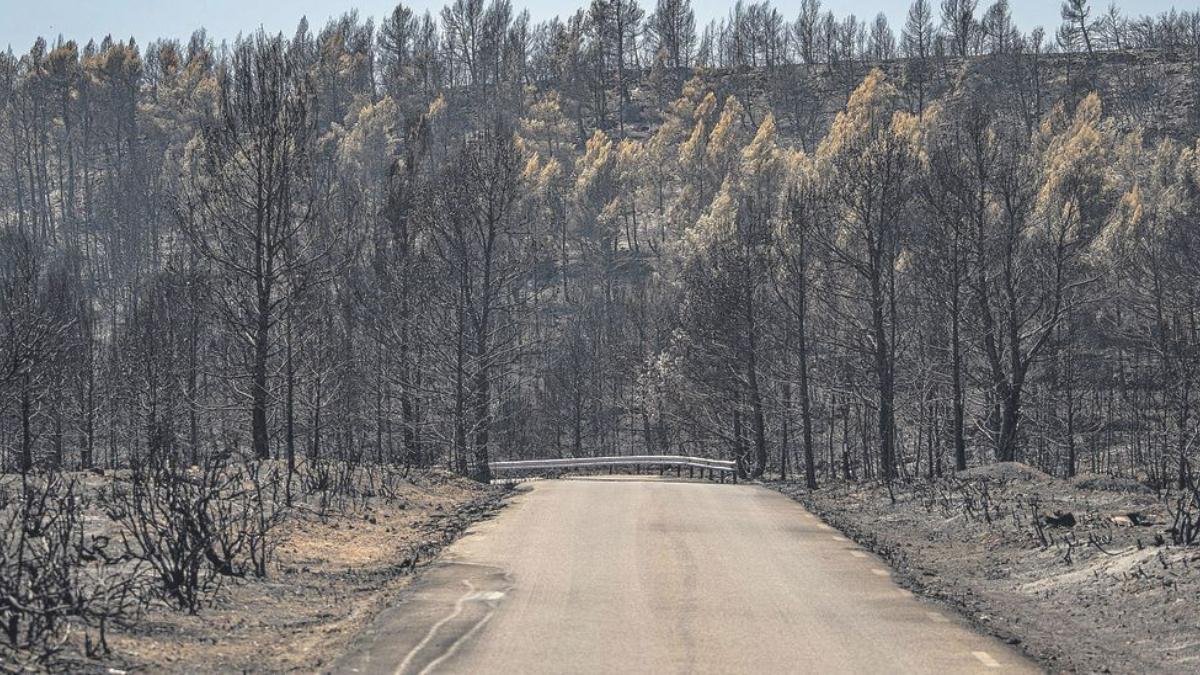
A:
x: 334, y: 572
x: 1106, y: 594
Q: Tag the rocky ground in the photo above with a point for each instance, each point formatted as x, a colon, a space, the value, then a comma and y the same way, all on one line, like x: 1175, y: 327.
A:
x: 1081, y: 574
x: 335, y: 569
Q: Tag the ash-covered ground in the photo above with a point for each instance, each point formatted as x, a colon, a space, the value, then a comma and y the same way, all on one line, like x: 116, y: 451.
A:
x: 1082, y: 574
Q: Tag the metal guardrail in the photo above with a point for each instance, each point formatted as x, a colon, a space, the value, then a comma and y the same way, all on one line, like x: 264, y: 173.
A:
x: 714, y: 467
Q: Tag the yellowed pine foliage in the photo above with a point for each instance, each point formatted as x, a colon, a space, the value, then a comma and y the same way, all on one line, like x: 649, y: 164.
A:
x: 1076, y: 167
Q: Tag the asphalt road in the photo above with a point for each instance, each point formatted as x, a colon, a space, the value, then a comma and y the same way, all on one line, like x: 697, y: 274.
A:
x: 657, y: 576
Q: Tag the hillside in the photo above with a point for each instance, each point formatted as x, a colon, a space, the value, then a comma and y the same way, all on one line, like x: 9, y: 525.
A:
x: 1154, y: 90
x: 814, y: 247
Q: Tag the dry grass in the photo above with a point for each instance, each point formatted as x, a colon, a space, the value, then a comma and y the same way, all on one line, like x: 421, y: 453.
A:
x: 334, y: 571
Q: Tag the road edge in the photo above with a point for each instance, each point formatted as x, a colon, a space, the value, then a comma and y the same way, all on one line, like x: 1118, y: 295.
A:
x: 423, y: 557
x: 968, y: 605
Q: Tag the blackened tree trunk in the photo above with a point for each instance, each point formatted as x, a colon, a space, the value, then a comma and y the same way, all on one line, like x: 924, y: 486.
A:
x: 881, y: 352
x: 290, y: 407
x: 810, y: 462
x: 483, y: 423
x: 956, y: 374
x: 25, y: 458
x: 754, y: 391
x: 260, y: 395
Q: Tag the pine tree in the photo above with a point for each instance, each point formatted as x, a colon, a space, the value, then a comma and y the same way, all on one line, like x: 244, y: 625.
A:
x: 866, y: 160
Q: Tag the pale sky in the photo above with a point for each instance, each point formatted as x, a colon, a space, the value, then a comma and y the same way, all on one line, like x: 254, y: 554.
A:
x: 21, y: 21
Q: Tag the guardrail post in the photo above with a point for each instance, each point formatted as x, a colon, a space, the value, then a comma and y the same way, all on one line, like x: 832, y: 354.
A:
x: 734, y: 474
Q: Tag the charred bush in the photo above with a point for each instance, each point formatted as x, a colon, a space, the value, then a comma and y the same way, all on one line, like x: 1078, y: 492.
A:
x: 194, y: 526
x: 53, y: 576
x: 262, y: 505
x: 160, y: 516
x: 1185, y: 513
x: 339, y: 485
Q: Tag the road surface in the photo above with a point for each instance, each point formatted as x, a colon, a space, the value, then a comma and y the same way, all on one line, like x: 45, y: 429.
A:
x: 643, y: 575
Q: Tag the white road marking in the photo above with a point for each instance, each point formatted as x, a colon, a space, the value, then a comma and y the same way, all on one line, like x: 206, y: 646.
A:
x: 454, y: 647
x: 486, y: 595
x: 471, y: 594
x: 986, y: 659
x: 858, y: 554
x: 879, y: 572
x: 837, y: 538
x: 938, y: 618
x: 458, y: 608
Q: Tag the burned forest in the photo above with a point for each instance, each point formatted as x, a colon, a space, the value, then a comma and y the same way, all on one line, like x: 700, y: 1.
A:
x: 273, y: 306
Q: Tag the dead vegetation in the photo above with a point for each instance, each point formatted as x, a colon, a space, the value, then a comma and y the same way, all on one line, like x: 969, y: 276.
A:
x: 174, y: 566
x: 54, y: 577
x: 1092, y: 574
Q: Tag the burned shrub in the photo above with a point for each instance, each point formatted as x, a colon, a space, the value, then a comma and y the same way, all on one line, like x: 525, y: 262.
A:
x: 52, y: 575
x: 334, y: 483
x: 262, y: 506
x: 192, y: 526
x: 1185, y: 513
